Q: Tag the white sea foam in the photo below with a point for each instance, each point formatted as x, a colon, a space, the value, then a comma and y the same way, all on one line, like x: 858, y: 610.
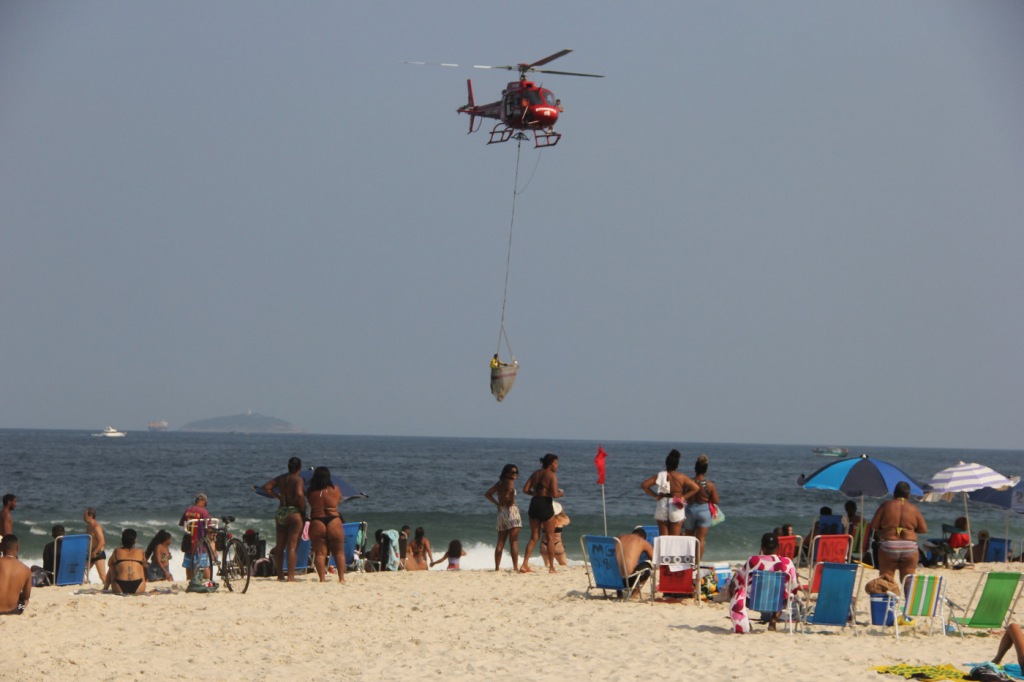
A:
x: 480, y: 556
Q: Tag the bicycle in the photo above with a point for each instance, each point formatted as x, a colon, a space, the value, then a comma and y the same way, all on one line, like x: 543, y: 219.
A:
x: 235, y: 567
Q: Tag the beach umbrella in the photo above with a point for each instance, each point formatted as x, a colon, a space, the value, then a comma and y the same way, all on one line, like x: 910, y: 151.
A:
x: 1010, y: 499
x: 861, y: 477
x: 965, y: 478
x: 347, y: 491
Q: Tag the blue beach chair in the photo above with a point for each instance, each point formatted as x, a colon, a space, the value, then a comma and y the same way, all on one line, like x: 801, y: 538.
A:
x: 770, y: 593
x: 602, y: 566
x: 355, y: 536
x: 301, y: 557
x: 834, y: 606
x: 73, y: 550
x: 997, y: 550
x: 651, y: 532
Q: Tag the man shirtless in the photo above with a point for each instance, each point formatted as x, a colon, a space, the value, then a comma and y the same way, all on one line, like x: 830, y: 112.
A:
x: 543, y: 486
x: 633, y: 545
x: 99, y: 555
x: 290, y: 490
x: 6, y: 522
x: 897, y: 523
x: 15, y: 578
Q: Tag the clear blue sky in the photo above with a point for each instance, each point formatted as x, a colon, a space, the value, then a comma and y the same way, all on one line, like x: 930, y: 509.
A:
x: 776, y: 222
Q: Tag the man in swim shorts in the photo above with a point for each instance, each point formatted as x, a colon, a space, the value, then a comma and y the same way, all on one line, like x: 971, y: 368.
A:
x: 99, y: 555
x: 15, y: 579
x: 197, y: 512
x: 897, y: 523
x: 633, y: 546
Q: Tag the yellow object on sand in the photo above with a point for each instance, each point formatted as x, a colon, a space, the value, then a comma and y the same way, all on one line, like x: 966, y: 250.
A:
x: 923, y: 672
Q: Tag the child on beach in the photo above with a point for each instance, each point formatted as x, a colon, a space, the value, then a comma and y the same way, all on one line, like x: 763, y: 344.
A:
x: 453, y: 555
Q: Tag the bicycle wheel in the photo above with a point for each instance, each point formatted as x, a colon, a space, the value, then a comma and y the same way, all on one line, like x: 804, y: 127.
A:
x: 236, y: 568
x: 199, y: 557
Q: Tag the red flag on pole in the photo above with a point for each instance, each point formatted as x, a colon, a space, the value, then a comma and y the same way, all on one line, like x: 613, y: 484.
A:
x: 599, y: 463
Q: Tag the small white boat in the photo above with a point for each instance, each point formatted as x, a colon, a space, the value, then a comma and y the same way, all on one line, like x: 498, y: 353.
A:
x: 111, y: 432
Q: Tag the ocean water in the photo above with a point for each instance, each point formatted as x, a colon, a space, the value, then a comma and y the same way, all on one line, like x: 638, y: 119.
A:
x: 146, y: 480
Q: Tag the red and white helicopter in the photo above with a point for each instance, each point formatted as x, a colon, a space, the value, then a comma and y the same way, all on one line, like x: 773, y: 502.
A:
x: 523, y: 104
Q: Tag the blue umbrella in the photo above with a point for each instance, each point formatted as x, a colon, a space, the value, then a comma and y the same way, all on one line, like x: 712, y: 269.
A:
x: 860, y: 477
x: 347, y: 491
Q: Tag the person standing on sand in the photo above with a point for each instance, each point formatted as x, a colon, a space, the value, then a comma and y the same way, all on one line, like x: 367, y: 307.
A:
x: 509, y: 520
x: 99, y: 542
x: 703, y: 506
x: 15, y: 578
x: 326, y: 533
x: 673, y: 491
x: 289, y: 490
x: 543, y: 486
x: 897, y: 523
x: 6, y: 522
x: 197, y: 512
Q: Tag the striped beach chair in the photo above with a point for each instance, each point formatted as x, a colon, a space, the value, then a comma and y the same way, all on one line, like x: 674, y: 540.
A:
x: 770, y: 592
x: 925, y: 597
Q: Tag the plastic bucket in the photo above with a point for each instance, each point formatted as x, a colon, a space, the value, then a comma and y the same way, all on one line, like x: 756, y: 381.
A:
x: 883, y: 610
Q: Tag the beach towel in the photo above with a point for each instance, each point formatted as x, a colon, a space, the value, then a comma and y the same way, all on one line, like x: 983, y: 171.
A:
x: 662, y: 483
x: 923, y: 672
x: 392, y: 558
x: 740, y: 585
x: 676, y: 552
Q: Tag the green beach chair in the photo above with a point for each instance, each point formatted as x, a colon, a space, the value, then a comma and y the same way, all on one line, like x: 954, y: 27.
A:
x: 994, y: 606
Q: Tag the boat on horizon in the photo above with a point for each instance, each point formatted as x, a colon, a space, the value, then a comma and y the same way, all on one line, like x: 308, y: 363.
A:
x: 110, y: 432
x: 158, y: 425
x: 831, y: 451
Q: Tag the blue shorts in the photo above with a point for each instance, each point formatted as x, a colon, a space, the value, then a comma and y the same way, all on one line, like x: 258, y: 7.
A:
x: 204, y: 561
x: 697, y: 516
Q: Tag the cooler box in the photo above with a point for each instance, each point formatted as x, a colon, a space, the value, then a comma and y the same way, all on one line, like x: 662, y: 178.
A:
x: 883, y: 609
x: 722, y: 571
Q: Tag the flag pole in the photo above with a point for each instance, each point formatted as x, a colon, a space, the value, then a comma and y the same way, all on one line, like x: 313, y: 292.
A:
x: 605, y: 510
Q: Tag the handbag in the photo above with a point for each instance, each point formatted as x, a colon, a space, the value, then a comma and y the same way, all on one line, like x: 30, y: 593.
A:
x: 717, y: 515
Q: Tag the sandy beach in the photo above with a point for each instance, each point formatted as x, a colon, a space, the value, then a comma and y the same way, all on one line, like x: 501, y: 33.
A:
x: 425, y: 625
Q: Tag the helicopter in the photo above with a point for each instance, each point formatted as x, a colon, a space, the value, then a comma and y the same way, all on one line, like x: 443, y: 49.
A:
x: 523, y: 105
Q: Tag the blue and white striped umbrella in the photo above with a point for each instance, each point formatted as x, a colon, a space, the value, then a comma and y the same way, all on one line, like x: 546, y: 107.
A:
x: 964, y: 478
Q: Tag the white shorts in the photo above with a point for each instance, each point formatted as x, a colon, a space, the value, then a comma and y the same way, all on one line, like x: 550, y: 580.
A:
x: 667, y: 511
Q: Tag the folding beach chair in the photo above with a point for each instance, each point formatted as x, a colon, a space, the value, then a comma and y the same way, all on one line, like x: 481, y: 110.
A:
x: 953, y: 556
x: 302, y: 553
x: 789, y: 546
x: 770, y: 592
x: 602, y: 567
x: 925, y: 597
x: 74, y: 552
x: 675, y: 564
x: 836, y: 549
x: 651, y: 532
x: 998, y: 550
x: 834, y: 606
x: 832, y: 524
x: 995, y: 605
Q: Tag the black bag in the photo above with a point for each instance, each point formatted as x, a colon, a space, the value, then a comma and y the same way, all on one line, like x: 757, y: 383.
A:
x: 186, y: 544
x: 987, y: 674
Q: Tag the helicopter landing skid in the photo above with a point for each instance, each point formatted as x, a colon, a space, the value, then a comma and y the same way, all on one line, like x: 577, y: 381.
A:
x: 541, y: 138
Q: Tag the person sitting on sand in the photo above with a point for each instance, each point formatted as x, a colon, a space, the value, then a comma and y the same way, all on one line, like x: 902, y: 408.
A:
x: 289, y: 490
x: 672, y: 490
x: 896, y: 524
x: 561, y: 521
x: 326, y: 533
x: 979, y: 552
x: 418, y: 552
x: 453, y: 555
x: 543, y: 486
x: 15, y: 578
x: 127, y: 570
x: 1012, y: 637
x: 509, y: 520
x: 787, y: 530
x: 45, y: 575
x: 633, y: 546
x: 158, y: 553
x: 739, y: 587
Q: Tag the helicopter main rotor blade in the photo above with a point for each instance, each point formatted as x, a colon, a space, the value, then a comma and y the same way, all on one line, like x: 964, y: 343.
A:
x: 464, y: 66
x: 568, y: 73
x: 551, y: 58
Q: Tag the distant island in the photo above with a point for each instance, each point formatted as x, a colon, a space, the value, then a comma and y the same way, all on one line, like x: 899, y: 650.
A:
x: 251, y: 422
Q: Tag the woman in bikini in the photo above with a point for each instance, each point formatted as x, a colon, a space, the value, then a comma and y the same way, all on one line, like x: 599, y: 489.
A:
x: 701, y: 512
x: 126, y: 573
x: 897, y: 523
x: 159, y: 555
x: 543, y: 487
x: 325, y: 523
x: 419, y: 550
x: 672, y: 490
x: 561, y: 521
x: 288, y: 489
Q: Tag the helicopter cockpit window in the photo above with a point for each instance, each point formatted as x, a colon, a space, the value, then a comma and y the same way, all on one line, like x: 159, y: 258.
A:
x: 549, y: 98
x: 532, y: 96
